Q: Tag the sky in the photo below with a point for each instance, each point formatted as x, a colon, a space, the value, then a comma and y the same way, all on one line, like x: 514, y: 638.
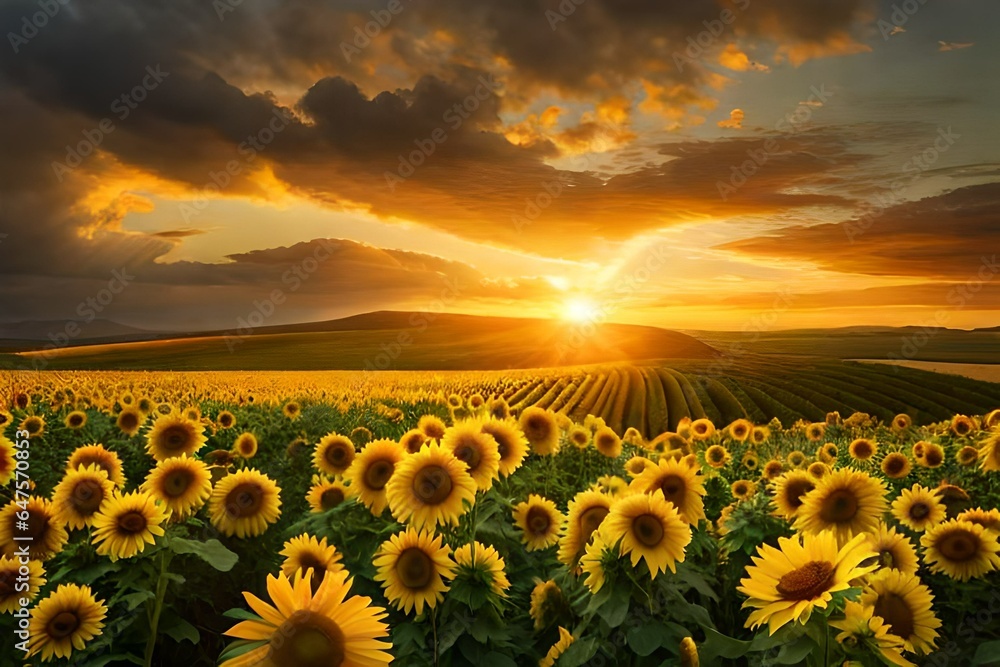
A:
x: 690, y: 164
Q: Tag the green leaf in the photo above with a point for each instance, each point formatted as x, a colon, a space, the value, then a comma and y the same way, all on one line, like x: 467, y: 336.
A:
x: 615, y: 609
x: 717, y: 644
x: 210, y: 551
x: 239, y: 647
x: 178, y: 629
x: 241, y: 614
x: 578, y: 653
x: 494, y: 659
x: 796, y: 652
x: 987, y: 654
x: 645, y: 638
x: 133, y: 600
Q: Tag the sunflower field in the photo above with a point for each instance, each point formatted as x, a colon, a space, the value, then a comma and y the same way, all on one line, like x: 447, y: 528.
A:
x: 235, y: 519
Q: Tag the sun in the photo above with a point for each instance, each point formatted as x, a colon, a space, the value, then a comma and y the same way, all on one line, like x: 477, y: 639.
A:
x: 581, y: 310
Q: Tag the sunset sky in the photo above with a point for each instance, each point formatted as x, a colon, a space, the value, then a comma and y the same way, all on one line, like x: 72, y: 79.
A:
x: 835, y: 162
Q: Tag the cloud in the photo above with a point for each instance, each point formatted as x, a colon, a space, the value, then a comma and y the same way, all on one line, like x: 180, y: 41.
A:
x: 735, y: 120
x: 954, y: 46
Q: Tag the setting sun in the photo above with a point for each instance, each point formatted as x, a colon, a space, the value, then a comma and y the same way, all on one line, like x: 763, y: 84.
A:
x: 581, y: 310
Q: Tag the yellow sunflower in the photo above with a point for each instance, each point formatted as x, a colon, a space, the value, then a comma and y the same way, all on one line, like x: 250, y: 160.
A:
x: 743, y: 489
x: 307, y: 628
x: 933, y: 456
x: 547, y: 604
x: 8, y: 461
x: 565, y: 639
x: 541, y: 430
x: 717, y: 456
x: 579, y: 436
x: 246, y: 445
x: 818, y: 469
x: 862, y: 449
x: 750, y: 461
x: 740, y: 430
x: 431, y: 487
x: 702, y: 429
x: 828, y: 453
x: 485, y: 565
x: 126, y: 523
x: 412, y: 440
x: 183, y: 484
x: 129, y: 421
x: 371, y: 471
x: 681, y: 484
x: 34, y: 425
x: 305, y: 553
x: 905, y: 605
x: 45, y: 530
x: 16, y: 584
x: 476, y: 449
x: 773, y: 469
x: 108, y: 461
x: 172, y: 435
x: 650, y: 529
x: 432, y: 427
x: 918, y: 508
x: 540, y: 522
x: 76, y: 420
x: 901, y: 422
x: 244, y: 503
x: 361, y: 435
x: 511, y: 444
x: 961, y: 549
x: 412, y: 567
x: 67, y: 619
x: 325, y: 495
x: 896, y: 465
x: 608, y: 443
x: 989, y: 453
x: 861, y: 628
x: 334, y: 454
x: 796, y: 459
x: 967, y: 455
x: 586, y: 512
x: 594, y: 559
x: 760, y: 435
x: 962, y: 425
x: 985, y: 518
x: 894, y: 550
x: 225, y: 420
x: 292, y: 410
x: 786, y: 584
x: 79, y: 494
x: 846, y: 501
x: 816, y: 431
x: 636, y: 465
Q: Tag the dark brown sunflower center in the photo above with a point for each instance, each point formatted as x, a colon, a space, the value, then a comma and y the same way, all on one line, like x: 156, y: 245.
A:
x: 806, y: 582
x: 919, y: 511
x: 7, y: 583
x: 469, y: 454
x: 87, y: 496
x: 128, y: 421
x: 336, y: 455
x: 225, y: 421
x: 245, y: 500
x: 176, y: 483
x: 378, y: 473
x: 502, y: 447
x: 175, y: 438
x: 308, y: 639
x: 33, y: 425
x: 648, y: 530
x: 716, y: 455
x: 896, y: 612
x: 862, y: 450
x: 839, y: 507
x: 62, y: 625
x: 413, y: 443
x: 538, y: 521
x: 590, y: 520
x: 673, y: 487
x: 310, y: 560
x: 38, y: 526
x: 432, y: 485
x: 933, y: 457
x: 740, y: 489
x: 740, y: 432
x: 132, y: 522
x: 331, y: 498
x: 414, y: 568
x: 894, y: 465
x: 959, y: 546
x: 75, y: 420
x: 537, y: 428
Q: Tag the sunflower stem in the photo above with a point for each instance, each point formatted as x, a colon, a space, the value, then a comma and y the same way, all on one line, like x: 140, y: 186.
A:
x: 161, y: 590
x: 434, y: 630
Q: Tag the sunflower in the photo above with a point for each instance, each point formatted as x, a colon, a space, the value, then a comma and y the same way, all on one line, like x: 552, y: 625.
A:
x: 292, y: 410
x: 796, y: 459
x: 702, y: 429
x: 905, y: 605
x: 541, y: 430
x: 790, y: 490
x: 896, y: 465
x: 129, y: 421
x: 743, y: 489
x: 862, y: 449
x: 413, y: 440
x: 717, y: 456
x: 818, y: 469
x: 750, y: 461
x: 307, y: 628
x: 371, y: 471
x: 476, y: 401
x: 636, y: 465
x: 68, y: 618
x: 45, y: 533
x: 476, y: 449
x: 246, y: 445
x: 482, y: 564
x: 689, y: 652
x: 172, y: 435
x: 650, y: 529
x: 431, y: 487
x: 21, y: 400
x: 106, y: 460
x: 511, y: 444
x: 192, y: 412
x: 579, y: 436
x: 787, y: 583
x: 244, y: 503
x: 815, y: 431
x: 681, y: 484
x: 773, y: 469
x: 539, y: 521
x: 918, y: 449
x: 894, y: 549
x: 989, y: 453
x: 76, y: 420
x: 827, y: 453
x: 361, y: 435
x: 79, y: 494
x: 565, y: 639
x: 455, y: 401
x: 613, y: 485
x: 607, y: 442
x: 334, y: 454
x: 740, y: 430
x: 305, y: 553
x: 991, y: 419
x: 967, y: 455
x: 6, y: 419
x: 847, y: 501
x: 594, y: 561
x: 933, y: 456
x: 8, y: 461
x: 325, y: 495
x: 181, y: 483
x: 760, y: 435
x: 918, y: 508
x: 412, y: 567
x: 985, y: 518
x: 861, y: 628
x: 498, y: 409
x: 126, y: 523
x: 225, y: 420
x: 961, y: 549
x: 962, y: 425
x: 34, y: 425
x: 15, y: 585
x: 586, y: 512
x: 547, y: 604
x: 432, y: 427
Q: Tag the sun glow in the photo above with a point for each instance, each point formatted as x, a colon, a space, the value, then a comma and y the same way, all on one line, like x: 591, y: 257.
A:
x: 580, y: 310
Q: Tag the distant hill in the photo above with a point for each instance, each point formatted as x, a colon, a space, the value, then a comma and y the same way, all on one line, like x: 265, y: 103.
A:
x: 388, y: 340
x: 32, y: 334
